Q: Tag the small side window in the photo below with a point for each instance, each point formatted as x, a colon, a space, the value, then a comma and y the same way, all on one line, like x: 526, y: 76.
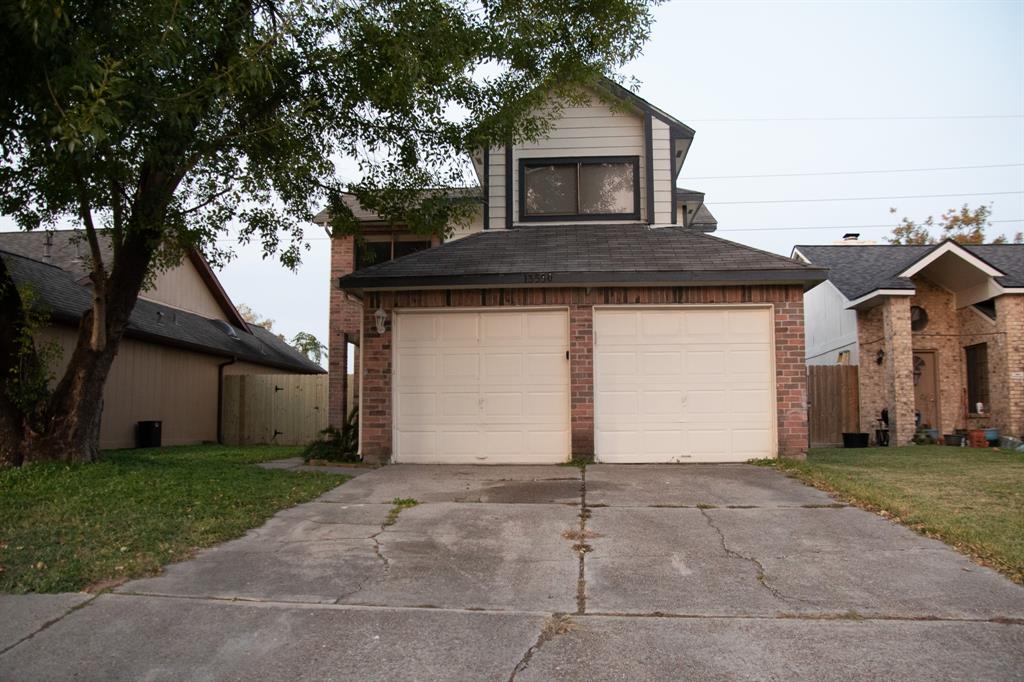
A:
x: 977, y: 377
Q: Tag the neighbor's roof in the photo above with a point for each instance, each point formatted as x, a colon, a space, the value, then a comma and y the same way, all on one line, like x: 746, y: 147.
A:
x: 66, y: 300
x: 69, y: 251
x: 585, y: 254
x: 857, y: 270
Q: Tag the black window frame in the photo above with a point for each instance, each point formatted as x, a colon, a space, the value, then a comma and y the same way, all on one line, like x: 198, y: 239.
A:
x: 364, y: 245
x: 976, y: 369
x: 524, y: 163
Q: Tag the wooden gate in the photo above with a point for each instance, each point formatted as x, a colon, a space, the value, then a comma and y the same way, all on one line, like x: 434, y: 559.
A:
x: 280, y: 409
x: 832, y: 399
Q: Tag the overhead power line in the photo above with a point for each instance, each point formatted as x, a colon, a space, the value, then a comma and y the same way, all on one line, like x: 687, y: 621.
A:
x: 805, y: 119
x: 832, y: 227
x: 904, y: 196
x: 855, y: 172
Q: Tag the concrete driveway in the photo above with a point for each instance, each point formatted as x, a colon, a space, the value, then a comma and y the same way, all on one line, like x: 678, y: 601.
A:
x: 538, y: 573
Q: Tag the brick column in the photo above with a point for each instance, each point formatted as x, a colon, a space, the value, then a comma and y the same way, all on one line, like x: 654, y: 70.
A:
x: 791, y: 377
x: 343, y: 321
x: 375, y: 416
x: 1010, y: 323
x: 581, y: 379
x: 898, y: 369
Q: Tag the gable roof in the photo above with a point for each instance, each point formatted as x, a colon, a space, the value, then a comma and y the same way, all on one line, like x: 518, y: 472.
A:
x: 584, y: 255
x: 677, y: 127
x: 68, y: 250
x: 66, y: 301
x: 859, y: 269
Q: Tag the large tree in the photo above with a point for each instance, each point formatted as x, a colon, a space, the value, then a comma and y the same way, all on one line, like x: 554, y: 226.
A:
x: 963, y: 225
x: 154, y: 123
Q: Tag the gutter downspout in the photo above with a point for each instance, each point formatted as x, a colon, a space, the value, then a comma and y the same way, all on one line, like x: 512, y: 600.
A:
x: 220, y: 398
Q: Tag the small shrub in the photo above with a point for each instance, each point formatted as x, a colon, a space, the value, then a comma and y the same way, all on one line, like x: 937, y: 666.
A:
x: 336, y: 445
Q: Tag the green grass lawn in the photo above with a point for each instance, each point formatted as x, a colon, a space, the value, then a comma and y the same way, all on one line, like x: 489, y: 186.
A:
x: 970, y: 498
x: 67, y: 527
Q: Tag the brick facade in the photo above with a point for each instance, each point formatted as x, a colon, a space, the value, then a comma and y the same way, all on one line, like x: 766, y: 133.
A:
x: 947, y: 333
x: 791, y: 377
x: 344, y: 319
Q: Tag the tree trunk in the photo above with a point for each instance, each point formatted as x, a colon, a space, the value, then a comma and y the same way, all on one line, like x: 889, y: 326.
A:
x: 70, y: 427
x: 12, y: 322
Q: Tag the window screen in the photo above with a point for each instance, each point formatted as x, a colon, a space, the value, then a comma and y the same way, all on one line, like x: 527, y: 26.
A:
x: 606, y: 188
x: 551, y: 190
x: 580, y: 189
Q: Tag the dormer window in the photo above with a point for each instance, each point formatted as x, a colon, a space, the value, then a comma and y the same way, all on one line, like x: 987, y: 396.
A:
x: 578, y: 189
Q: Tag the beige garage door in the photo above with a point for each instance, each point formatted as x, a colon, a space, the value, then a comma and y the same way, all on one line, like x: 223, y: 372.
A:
x: 683, y: 384
x: 481, y: 387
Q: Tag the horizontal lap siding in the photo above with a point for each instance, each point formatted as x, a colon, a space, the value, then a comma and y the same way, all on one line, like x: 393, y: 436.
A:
x: 662, y: 172
x: 589, y: 130
x: 790, y: 373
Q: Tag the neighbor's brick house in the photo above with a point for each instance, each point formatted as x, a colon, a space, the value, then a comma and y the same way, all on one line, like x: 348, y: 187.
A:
x: 934, y: 330
x: 602, y: 321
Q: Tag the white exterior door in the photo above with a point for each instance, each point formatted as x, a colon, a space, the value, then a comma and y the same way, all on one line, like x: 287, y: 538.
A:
x: 684, y: 384
x: 481, y: 387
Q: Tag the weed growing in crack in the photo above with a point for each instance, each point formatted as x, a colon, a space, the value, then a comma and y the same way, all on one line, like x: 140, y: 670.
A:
x: 399, y: 503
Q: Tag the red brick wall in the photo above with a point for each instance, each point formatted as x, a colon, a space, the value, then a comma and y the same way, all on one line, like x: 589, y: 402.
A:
x: 791, y: 374
x: 344, y: 317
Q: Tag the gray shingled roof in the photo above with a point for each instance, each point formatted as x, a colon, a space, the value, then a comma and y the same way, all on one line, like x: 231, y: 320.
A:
x: 584, y: 254
x: 859, y: 269
x: 66, y: 300
x: 67, y: 249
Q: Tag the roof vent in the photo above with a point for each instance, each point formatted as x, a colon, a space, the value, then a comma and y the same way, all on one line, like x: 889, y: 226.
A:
x: 226, y: 328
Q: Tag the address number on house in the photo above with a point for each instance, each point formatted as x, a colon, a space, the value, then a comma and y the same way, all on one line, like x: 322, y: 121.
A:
x: 537, y: 277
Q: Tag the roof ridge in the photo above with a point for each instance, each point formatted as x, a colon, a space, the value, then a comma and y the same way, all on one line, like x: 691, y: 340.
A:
x: 36, y: 260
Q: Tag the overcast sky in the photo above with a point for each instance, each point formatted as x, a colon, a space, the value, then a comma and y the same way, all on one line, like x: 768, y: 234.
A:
x: 857, y: 86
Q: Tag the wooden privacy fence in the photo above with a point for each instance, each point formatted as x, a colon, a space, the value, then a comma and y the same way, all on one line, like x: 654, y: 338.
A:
x: 282, y: 409
x: 832, y: 398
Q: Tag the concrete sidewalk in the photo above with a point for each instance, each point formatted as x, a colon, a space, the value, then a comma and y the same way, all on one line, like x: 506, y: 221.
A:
x: 618, y: 572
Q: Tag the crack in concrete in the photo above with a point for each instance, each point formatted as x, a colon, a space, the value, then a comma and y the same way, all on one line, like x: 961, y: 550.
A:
x: 553, y: 625
x: 762, y: 574
x: 48, y: 624
x: 849, y: 615
x: 582, y: 548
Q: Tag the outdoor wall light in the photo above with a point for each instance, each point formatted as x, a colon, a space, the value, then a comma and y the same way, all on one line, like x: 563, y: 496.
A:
x: 381, y: 318
x: 880, y: 357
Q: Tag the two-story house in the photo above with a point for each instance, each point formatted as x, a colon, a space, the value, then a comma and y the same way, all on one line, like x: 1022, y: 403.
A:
x: 585, y: 311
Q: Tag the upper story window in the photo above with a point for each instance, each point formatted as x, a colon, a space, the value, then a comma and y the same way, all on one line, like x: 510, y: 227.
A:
x: 373, y: 251
x: 586, y: 188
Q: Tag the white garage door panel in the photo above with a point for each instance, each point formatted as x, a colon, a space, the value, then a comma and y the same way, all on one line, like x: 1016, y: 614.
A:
x: 683, y: 384
x: 481, y: 387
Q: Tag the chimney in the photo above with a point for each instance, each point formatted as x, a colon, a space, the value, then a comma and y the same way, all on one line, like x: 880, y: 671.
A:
x: 851, y: 238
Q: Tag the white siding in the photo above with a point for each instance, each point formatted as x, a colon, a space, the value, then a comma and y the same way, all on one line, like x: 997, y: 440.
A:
x: 475, y: 224
x: 828, y: 326
x: 593, y: 129
x: 497, y: 188
x: 662, y: 172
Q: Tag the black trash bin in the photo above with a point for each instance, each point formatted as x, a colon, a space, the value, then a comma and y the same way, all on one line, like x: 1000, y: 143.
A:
x: 147, y: 434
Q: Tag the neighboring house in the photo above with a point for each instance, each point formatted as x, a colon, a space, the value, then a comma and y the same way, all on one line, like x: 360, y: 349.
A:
x: 183, y: 337
x: 584, y: 312
x: 937, y: 332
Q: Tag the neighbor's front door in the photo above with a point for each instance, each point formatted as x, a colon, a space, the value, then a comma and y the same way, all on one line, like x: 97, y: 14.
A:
x: 926, y: 389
